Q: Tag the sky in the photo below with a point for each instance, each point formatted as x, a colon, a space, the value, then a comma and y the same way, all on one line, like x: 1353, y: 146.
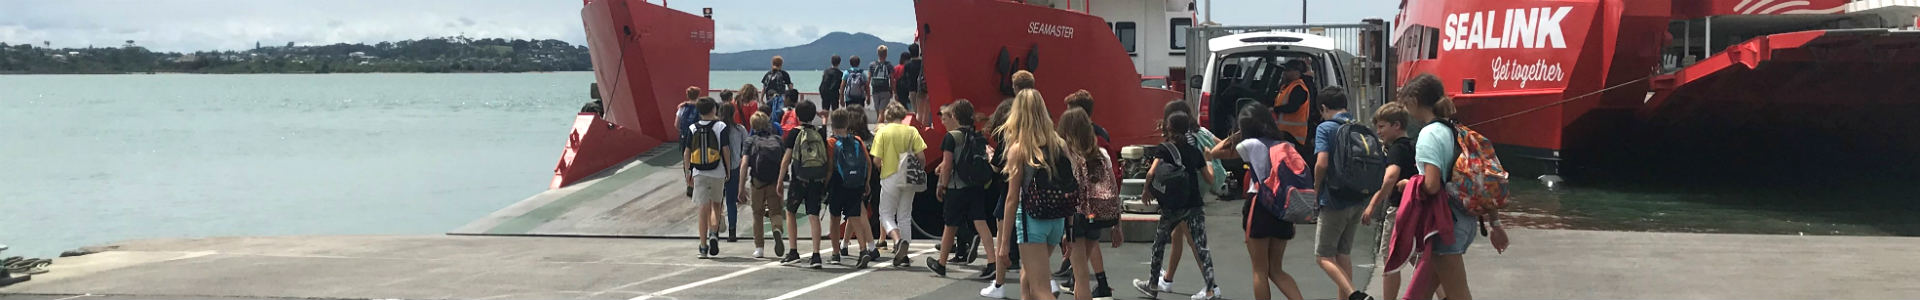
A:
x: 194, y: 25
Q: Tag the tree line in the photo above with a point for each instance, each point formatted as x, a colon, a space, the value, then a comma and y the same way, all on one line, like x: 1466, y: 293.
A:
x: 430, y: 55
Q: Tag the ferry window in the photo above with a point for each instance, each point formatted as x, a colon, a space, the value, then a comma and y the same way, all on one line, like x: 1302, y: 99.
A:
x: 1179, y: 27
x: 1433, y: 42
x: 1125, y: 31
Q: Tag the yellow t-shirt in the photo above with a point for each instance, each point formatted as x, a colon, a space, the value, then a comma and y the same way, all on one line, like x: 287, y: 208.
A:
x: 890, y: 141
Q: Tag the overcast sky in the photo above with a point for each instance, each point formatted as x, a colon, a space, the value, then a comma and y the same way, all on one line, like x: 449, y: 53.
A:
x: 190, y: 25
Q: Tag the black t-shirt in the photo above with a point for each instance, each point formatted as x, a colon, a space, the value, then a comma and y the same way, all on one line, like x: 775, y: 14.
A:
x: 948, y: 144
x: 910, y: 77
x: 775, y: 82
x: 830, y: 84
x: 1192, y: 159
x: 1400, y: 153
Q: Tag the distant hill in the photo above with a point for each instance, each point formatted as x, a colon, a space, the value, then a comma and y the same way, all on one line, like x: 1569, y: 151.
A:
x: 812, y: 56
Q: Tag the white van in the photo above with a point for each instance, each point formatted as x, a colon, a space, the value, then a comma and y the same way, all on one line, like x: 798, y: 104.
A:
x: 1248, y: 65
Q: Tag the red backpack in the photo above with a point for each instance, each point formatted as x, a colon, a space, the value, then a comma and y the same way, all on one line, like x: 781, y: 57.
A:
x: 1287, y: 191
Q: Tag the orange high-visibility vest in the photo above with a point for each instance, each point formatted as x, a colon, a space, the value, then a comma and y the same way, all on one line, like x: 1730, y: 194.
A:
x: 1295, y: 122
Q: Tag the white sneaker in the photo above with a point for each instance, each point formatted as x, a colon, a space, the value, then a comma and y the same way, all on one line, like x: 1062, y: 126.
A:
x: 993, y: 291
x: 758, y: 254
x: 1205, y: 294
x: 1053, y: 286
x: 1165, y: 286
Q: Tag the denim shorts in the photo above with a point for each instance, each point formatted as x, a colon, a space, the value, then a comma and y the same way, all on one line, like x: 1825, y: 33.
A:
x: 1465, y: 226
x: 1036, y: 231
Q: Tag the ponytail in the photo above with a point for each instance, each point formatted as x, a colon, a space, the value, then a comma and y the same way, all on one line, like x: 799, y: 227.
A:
x: 1444, y: 108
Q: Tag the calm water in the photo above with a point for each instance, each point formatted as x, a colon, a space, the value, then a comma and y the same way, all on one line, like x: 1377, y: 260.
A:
x: 91, y: 159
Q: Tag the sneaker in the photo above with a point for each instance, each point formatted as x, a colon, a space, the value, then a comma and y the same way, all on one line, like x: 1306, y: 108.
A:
x: 933, y: 264
x: 1102, y: 293
x: 713, y: 245
x: 731, y: 236
x: 792, y: 256
x: 882, y: 246
x: 1358, y: 295
x: 861, y: 263
x: 705, y: 251
x: 1206, y: 294
x: 900, y: 254
x: 835, y: 259
x: 1146, y: 288
x: 1165, y: 286
x: 1065, y: 270
x: 1053, y: 286
x: 758, y: 254
x: 816, y: 261
x: 985, y: 274
x: 1066, y: 286
x: 843, y: 252
x: 994, y: 291
x: 777, y: 246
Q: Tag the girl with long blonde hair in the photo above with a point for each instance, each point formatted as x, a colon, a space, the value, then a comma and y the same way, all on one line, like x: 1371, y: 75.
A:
x: 1033, y: 149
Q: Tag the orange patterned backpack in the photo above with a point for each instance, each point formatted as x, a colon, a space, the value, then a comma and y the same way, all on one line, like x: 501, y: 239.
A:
x: 1478, y: 179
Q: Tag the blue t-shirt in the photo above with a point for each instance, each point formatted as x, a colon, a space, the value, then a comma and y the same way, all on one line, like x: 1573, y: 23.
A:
x: 1323, y: 138
x: 1323, y: 134
x: 1435, y: 147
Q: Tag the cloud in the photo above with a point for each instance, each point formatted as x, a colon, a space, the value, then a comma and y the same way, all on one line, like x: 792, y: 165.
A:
x: 192, y: 25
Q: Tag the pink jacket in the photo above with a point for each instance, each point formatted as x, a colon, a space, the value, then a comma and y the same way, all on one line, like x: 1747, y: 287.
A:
x: 1423, y: 221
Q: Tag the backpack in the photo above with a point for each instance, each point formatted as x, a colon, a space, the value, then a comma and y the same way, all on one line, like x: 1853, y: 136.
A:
x: 1358, y: 161
x: 809, y: 155
x: 855, y: 85
x: 704, y: 151
x: 882, y: 75
x: 1478, y: 179
x: 850, y: 162
x: 970, y: 163
x: 1172, y: 179
x: 1100, y: 200
x: 1053, y: 192
x: 1287, y: 191
x: 764, y: 157
x: 686, y: 116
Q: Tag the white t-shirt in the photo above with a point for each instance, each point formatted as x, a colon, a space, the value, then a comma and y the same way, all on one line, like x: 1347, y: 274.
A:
x: 1254, y: 152
x: 720, y: 128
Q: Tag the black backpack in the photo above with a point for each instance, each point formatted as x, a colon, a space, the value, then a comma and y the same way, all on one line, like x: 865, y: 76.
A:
x: 1053, y: 192
x: 1358, y: 160
x: 880, y: 74
x: 705, y: 150
x: 970, y: 164
x: 764, y: 157
x: 1172, y: 179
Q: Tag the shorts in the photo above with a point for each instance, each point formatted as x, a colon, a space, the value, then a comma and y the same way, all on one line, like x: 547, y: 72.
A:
x: 962, y: 206
x: 846, y: 202
x: 998, y: 195
x: 1336, y: 230
x: 708, y: 189
x: 1262, y: 224
x: 1079, y: 228
x: 880, y: 99
x: 805, y: 195
x: 1035, y: 231
x: 856, y: 100
x: 1465, y: 225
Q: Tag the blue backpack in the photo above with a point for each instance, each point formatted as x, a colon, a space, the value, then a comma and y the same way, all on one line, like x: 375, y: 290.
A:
x: 850, y: 161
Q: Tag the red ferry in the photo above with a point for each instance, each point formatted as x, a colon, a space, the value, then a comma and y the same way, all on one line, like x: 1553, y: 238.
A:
x: 1548, y: 79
